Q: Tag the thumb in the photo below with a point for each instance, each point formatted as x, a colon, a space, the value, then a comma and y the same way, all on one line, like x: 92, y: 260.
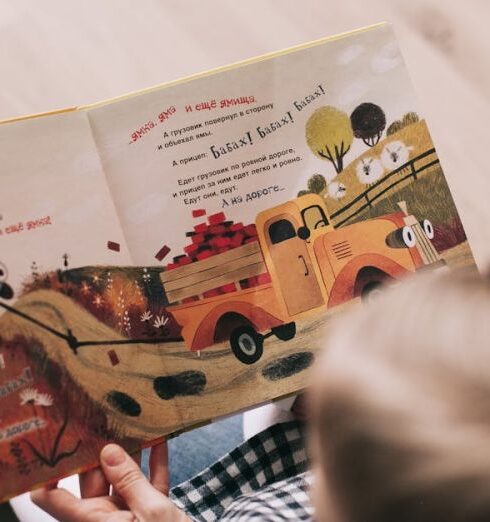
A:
x: 130, y: 483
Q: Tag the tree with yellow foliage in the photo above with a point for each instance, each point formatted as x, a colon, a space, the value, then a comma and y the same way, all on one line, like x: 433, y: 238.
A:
x: 329, y: 135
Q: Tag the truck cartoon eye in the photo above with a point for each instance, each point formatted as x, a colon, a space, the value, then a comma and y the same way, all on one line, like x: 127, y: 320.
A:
x: 408, y: 237
x: 281, y: 230
x: 401, y: 238
x: 428, y: 229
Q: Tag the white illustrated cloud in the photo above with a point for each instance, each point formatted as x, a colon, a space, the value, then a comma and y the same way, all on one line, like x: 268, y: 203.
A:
x: 349, y: 54
x: 387, y: 58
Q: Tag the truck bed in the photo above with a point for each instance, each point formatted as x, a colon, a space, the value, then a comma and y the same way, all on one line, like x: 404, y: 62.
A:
x: 221, y: 270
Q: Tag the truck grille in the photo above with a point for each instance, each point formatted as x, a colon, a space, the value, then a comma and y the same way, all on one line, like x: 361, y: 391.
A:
x: 342, y: 250
x: 424, y: 245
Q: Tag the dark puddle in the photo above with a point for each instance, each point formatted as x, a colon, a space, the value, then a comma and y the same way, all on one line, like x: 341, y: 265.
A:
x: 185, y: 383
x: 287, y: 366
x: 123, y: 403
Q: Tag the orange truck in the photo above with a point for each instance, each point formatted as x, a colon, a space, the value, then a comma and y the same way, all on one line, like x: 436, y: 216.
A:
x: 309, y: 266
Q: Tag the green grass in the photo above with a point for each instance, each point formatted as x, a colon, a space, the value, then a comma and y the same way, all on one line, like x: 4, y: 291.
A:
x: 427, y: 198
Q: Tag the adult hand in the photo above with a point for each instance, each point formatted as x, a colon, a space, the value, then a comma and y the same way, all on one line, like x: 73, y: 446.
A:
x: 133, y: 499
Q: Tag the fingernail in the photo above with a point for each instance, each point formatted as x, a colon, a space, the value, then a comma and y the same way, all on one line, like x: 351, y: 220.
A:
x: 112, y: 455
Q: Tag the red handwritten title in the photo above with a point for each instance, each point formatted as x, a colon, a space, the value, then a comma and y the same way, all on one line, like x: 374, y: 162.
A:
x: 225, y: 103
x: 207, y: 105
x: 149, y: 125
x: 23, y: 226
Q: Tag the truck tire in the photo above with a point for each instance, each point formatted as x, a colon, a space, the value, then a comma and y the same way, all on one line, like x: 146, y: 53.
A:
x: 371, y: 291
x: 247, y: 344
x: 285, y: 332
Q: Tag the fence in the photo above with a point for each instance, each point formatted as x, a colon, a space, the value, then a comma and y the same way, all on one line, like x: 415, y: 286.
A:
x: 369, y: 196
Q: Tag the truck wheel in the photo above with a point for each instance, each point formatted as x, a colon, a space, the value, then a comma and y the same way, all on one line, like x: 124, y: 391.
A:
x: 285, y: 332
x: 247, y: 344
x: 371, y: 291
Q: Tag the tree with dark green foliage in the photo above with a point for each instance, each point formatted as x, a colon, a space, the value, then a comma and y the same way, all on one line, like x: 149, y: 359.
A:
x: 317, y: 184
x: 368, y: 122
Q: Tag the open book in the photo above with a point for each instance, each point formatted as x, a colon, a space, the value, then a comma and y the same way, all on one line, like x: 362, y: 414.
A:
x: 173, y: 255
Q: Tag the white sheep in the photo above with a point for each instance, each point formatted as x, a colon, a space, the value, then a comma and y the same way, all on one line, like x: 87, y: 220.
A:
x: 336, y: 190
x: 369, y: 170
x: 395, y: 154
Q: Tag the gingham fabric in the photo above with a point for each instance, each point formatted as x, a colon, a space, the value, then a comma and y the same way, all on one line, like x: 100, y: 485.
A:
x: 264, y: 479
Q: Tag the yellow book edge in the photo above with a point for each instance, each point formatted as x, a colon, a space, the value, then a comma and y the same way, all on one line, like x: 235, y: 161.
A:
x: 202, y: 74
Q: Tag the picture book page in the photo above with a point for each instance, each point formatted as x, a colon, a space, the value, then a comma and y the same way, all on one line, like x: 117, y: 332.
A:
x: 61, y: 304
x: 268, y: 194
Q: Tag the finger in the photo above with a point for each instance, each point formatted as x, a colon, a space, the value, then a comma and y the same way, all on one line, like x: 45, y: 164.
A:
x: 59, y: 503
x: 159, y: 467
x: 130, y: 483
x: 93, y: 484
x: 137, y: 457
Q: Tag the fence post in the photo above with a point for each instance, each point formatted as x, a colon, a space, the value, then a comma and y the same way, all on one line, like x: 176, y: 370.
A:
x: 412, y: 168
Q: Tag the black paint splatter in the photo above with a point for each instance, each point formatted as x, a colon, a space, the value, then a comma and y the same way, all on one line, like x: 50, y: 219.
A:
x: 287, y: 366
x: 123, y: 403
x: 185, y: 383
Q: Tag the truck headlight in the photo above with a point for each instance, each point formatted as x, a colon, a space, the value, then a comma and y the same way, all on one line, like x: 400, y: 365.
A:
x: 408, y: 237
x: 428, y: 229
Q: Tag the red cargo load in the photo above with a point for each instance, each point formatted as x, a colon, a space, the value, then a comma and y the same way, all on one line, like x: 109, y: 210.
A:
x: 230, y: 287
x: 204, y: 254
x: 263, y: 279
x: 220, y: 242
x: 237, y: 240
x: 198, y: 238
x: 217, y: 229
x: 212, y: 293
x: 190, y: 249
x: 198, y: 212
x: 202, y: 227
x: 250, y: 230
x: 216, y: 219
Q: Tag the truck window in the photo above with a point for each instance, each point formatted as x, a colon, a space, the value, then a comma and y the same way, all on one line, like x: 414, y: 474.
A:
x: 314, y: 217
x: 281, y: 231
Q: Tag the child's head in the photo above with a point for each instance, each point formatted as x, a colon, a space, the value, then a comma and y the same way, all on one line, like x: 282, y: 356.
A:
x: 402, y: 407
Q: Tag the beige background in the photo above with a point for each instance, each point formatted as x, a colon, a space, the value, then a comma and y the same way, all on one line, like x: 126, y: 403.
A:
x: 58, y: 53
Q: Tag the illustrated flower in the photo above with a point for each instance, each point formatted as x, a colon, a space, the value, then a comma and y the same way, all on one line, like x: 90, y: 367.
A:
x: 85, y: 288
x: 146, y: 275
x: 44, y: 399
x: 146, y: 316
x: 32, y: 396
x: 28, y: 396
x: 97, y: 301
x: 160, y: 321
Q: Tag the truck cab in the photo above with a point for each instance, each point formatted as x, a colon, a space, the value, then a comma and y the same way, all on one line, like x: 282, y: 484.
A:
x: 312, y: 264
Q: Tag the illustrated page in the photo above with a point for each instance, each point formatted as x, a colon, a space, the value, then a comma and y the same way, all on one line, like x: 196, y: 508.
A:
x: 61, y: 246
x: 268, y: 194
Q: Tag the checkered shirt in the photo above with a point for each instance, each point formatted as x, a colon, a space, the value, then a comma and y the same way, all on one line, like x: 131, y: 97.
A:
x: 265, y: 479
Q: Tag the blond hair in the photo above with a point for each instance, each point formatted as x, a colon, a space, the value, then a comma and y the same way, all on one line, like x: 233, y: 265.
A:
x: 402, y: 409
